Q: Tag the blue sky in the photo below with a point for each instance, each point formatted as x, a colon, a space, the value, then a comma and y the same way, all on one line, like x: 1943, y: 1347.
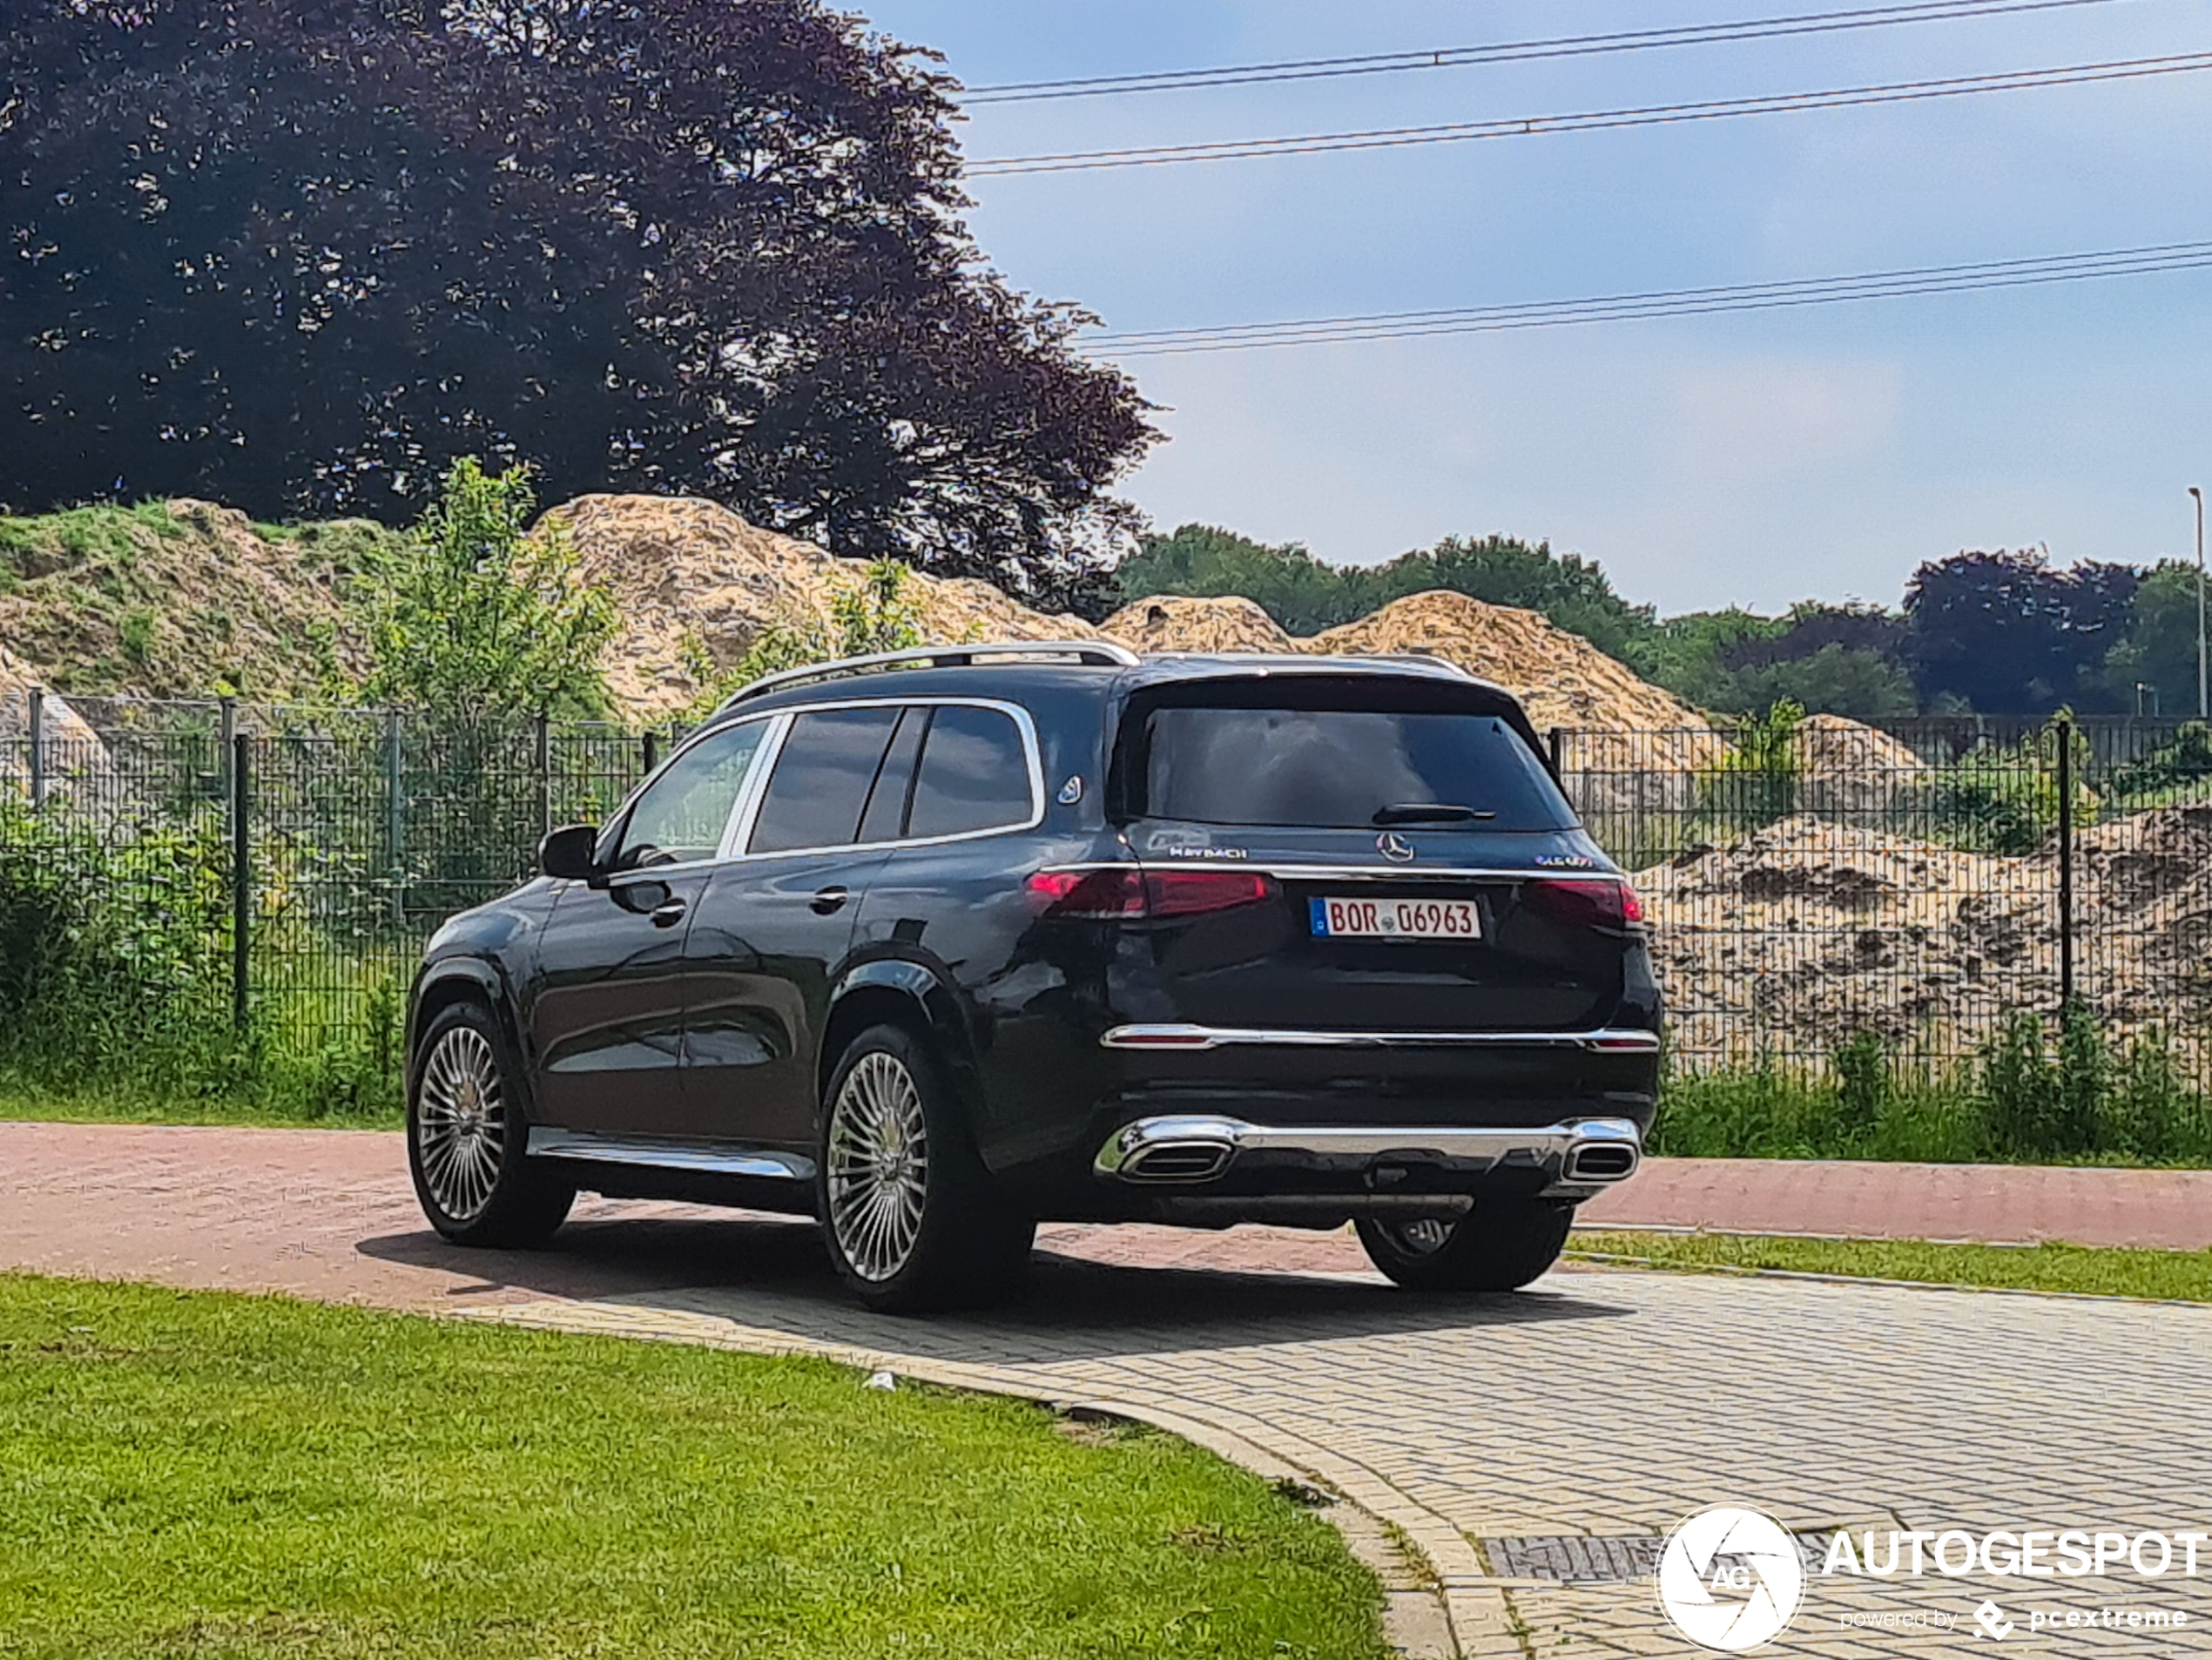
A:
x: 1749, y: 459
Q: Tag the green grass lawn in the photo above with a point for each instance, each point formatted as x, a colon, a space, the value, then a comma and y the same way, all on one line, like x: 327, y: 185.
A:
x: 2178, y: 1276
x: 190, y: 1474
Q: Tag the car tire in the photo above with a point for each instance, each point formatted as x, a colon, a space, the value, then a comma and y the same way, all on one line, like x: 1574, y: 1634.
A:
x: 467, y: 1138
x: 1502, y: 1245
x: 909, y: 1210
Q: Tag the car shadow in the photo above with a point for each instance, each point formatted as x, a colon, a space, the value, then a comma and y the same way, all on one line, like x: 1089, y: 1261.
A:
x: 774, y: 1276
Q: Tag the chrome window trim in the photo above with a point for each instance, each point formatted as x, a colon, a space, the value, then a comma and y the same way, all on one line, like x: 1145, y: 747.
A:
x: 1170, y: 1038
x: 1032, y: 751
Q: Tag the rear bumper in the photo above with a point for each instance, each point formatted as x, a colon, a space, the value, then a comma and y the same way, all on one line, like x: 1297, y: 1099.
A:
x: 1203, y: 1152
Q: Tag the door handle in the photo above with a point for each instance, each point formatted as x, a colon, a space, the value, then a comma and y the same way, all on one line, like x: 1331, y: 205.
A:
x: 669, y: 914
x: 830, y: 900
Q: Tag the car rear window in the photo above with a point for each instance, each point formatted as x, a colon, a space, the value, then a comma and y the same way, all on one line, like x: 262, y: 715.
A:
x: 1342, y: 768
x: 975, y: 776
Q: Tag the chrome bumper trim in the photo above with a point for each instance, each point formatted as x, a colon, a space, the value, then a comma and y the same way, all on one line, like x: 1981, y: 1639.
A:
x: 1621, y: 1041
x: 1555, y: 1148
x: 708, y: 1159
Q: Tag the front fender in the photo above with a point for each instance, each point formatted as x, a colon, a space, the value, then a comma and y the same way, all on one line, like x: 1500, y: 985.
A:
x: 443, y: 981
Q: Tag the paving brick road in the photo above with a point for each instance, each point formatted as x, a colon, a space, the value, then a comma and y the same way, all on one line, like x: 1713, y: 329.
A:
x: 1602, y: 1406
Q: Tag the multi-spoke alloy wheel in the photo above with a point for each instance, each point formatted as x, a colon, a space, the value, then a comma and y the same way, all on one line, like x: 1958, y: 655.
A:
x: 1418, y: 1239
x: 468, y: 1137
x: 915, y: 1221
x: 1503, y: 1243
x: 460, y: 1124
x: 878, y: 1166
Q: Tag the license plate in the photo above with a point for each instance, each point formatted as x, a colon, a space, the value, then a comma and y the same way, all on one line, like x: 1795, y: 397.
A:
x: 1395, y: 919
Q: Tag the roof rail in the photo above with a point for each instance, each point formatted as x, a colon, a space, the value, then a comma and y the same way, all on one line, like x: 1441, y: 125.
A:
x: 936, y: 657
x: 1337, y: 660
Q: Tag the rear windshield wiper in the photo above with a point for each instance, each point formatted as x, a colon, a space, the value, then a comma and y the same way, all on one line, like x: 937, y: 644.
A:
x: 1430, y: 812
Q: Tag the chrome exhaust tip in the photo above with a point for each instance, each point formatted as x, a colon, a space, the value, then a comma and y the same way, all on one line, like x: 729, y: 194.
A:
x: 1601, y: 1153
x: 1184, y: 1149
x: 1177, y: 1161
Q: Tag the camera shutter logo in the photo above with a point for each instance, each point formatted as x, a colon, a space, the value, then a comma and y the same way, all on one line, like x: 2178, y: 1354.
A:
x: 1730, y: 1579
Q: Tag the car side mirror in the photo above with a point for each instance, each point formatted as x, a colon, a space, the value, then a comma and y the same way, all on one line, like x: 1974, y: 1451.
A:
x: 568, y: 854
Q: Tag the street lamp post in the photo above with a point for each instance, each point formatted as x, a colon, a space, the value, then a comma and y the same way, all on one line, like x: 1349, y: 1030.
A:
x: 2203, y: 681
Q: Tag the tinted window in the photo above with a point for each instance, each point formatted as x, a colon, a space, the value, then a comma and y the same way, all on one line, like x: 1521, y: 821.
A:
x: 887, y: 811
x: 1344, y: 767
x: 681, y: 813
x: 975, y: 775
x: 822, y: 780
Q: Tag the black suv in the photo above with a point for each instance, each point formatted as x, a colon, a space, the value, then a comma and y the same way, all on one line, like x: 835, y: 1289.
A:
x: 937, y: 945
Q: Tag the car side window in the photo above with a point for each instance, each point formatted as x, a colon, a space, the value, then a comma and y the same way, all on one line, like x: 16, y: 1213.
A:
x: 823, y: 776
x: 885, y: 817
x: 681, y: 816
x: 973, y: 776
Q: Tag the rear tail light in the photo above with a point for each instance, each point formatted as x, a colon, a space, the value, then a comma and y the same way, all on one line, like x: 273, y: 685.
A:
x: 1610, y: 902
x: 1130, y: 895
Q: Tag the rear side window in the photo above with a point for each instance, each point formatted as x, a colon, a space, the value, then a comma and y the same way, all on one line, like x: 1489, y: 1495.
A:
x: 822, y: 780
x: 973, y: 776
x: 1348, y: 768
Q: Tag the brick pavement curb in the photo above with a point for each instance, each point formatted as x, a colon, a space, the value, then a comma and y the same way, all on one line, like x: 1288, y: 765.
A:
x: 1478, y: 1623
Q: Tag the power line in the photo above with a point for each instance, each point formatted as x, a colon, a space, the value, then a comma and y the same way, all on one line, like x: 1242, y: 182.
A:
x: 1673, y: 302
x: 1596, y: 120
x: 1814, y: 22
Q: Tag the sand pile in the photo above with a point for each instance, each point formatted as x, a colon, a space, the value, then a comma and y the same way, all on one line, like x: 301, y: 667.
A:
x: 682, y: 569
x: 1809, y: 931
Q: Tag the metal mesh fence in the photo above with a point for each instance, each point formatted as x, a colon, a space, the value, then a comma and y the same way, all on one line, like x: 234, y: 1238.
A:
x: 1925, y: 883
x: 1805, y: 883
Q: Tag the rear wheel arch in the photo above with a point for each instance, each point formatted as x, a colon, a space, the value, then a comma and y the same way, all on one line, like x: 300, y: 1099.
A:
x: 896, y: 992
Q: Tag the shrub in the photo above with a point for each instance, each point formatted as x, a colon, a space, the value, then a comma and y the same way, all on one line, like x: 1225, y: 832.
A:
x: 2001, y: 799
x: 112, y: 945
x: 1755, y: 783
x: 2179, y: 771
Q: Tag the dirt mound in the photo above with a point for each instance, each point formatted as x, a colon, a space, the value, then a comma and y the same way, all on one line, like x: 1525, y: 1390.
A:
x: 1852, y: 770
x: 181, y: 601
x: 1180, y: 622
x: 684, y: 568
x: 1795, y: 938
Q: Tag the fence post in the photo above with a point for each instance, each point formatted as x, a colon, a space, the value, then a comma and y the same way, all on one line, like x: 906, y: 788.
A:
x: 544, y: 774
x: 242, y: 881
x: 36, y: 732
x: 652, y: 751
x: 2064, y: 728
x: 1555, y: 747
x: 226, y: 740
x: 395, y: 816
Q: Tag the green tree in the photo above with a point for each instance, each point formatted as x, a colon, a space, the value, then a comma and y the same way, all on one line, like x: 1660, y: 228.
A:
x: 2159, y: 649
x: 1685, y: 654
x: 1835, y: 680
x: 477, y: 615
x: 1572, y: 591
x: 1293, y: 587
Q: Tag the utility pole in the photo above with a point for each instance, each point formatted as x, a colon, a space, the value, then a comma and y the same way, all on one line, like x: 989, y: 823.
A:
x: 2203, y: 681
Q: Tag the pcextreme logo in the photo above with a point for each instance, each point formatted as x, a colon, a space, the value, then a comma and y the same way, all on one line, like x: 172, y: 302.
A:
x: 1730, y: 1579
